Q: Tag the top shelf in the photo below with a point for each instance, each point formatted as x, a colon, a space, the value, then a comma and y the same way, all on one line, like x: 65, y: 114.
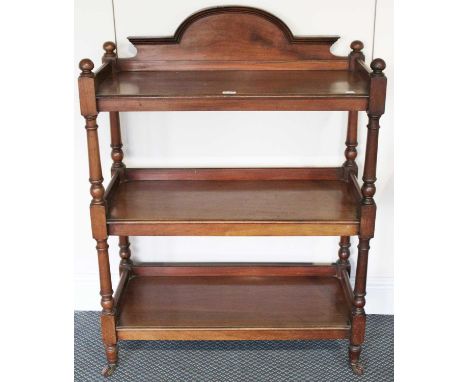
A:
x: 231, y: 58
x: 232, y: 90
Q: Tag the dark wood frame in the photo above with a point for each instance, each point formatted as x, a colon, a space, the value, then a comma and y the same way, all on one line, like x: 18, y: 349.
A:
x: 261, y: 42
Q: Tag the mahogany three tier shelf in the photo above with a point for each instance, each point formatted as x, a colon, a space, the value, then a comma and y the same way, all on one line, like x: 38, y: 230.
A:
x: 233, y: 58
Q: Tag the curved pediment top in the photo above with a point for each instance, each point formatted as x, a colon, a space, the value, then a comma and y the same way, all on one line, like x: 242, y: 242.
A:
x: 207, y: 12
x: 229, y: 36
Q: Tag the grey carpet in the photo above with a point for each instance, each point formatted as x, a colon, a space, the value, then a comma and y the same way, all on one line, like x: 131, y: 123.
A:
x: 238, y: 361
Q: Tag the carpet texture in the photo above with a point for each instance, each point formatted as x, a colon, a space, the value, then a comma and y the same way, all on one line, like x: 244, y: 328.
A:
x: 236, y: 361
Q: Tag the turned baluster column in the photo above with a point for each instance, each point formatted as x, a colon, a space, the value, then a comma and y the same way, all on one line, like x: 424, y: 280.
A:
x: 350, y: 165
x: 376, y: 108
x: 351, y: 136
x: 351, y: 144
x: 344, y: 252
x: 98, y: 219
x: 125, y: 253
x: 118, y: 165
x: 98, y: 209
x: 116, y: 139
x: 358, y: 324
x: 117, y: 154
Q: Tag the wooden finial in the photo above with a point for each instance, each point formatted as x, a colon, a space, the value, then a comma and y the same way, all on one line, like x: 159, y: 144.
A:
x: 109, y: 47
x: 355, y: 54
x: 378, y: 65
x: 86, y: 67
x: 357, y: 46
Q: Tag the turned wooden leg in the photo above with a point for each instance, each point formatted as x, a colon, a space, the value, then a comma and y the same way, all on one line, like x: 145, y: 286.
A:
x: 368, y: 211
x: 358, y: 323
x: 125, y: 253
x: 109, y: 336
x: 111, y: 354
x: 343, y: 252
x: 86, y: 84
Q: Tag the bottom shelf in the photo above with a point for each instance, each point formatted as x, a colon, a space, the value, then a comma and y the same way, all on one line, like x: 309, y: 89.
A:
x: 226, y: 307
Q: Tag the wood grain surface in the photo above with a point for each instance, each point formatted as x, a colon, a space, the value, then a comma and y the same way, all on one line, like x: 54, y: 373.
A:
x: 273, y: 303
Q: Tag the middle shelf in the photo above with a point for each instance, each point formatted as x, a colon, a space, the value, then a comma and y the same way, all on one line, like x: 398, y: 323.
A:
x: 238, y: 202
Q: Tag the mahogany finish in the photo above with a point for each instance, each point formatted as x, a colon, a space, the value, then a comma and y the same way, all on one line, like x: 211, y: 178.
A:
x: 235, y: 269
x: 230, y: 103
x: 243, y: 37
x: 241, y: 202
x: 246, y: 307
x: 283, y: 173
x: 233, y: 58
x: 344, y: 252
x: 351, y: 143
x: 116, y: 142
x: 191, y: 90
x: 213, y: 203
x: 259, y: 83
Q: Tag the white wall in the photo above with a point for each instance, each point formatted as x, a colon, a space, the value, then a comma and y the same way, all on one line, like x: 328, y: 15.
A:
x: 235, y: 139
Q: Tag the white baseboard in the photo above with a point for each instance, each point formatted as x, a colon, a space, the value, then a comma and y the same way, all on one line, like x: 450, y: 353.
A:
x: 379, y: 299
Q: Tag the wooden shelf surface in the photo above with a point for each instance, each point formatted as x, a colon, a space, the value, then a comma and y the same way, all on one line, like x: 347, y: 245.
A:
x: 206, y: 90
x: 233, y: 207
x: 246, y: 83
x: 233, y: 307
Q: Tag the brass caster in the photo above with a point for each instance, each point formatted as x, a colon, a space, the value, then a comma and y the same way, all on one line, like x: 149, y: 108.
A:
x: 108, y: 370
x: 358, y: 369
